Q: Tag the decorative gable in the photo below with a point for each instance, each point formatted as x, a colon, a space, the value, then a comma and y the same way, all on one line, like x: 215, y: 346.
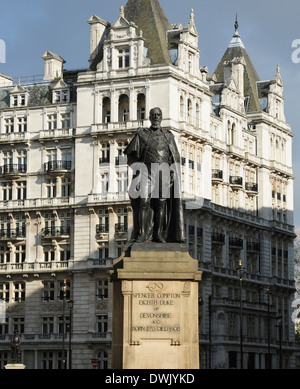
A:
x: 123, y: 50
x: 60, y: 92
x: 18, y: 96
x: 183, y: 47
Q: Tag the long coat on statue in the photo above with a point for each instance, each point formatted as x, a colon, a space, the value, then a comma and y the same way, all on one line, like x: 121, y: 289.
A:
x: 145, y: 148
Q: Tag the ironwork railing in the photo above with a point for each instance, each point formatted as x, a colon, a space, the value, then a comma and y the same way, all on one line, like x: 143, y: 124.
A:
x: 52, y: 166
x: 253, y: 246
x: 236, y: 180
x: 217, y: 174
x: 13, y: 233
x: 121, y: 227
x: 100, y: 228
x: 236, y: 242
x: 13, y: 169
x: 55, y: 231
x: 251, y: 186
x: 218, y: 238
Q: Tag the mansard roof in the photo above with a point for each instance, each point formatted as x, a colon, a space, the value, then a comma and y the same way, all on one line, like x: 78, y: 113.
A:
x: 236, y: 49
x: 149, y: 16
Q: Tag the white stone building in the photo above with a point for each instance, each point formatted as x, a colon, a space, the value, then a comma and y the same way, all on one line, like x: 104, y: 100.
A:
x: 64, y: 207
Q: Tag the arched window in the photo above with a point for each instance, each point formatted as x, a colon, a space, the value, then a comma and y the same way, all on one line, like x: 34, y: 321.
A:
x: 181, y: 108
x: 190, y: 112
x: 141, y: 107
x: 283, y: 152
x: 123, y: 108
x: 229, y: 134
x: 106, y: 116
x: 272, y: 149
x: 198, y: 124
x: 277, y: 151
x: 233, y: 134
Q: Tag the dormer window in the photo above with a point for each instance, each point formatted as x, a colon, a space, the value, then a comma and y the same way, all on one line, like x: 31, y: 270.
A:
x: 61, y: 96
x: 60, y: 93
x: 18, y: 96
x: 18, y: 100
x: 123, y: 57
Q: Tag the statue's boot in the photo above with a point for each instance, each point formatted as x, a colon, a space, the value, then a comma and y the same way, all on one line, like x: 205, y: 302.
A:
x: 144, y: 235
x: 159, y: 222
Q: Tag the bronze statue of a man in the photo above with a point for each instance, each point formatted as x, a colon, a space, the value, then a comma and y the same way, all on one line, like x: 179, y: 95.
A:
x: 15, y: 348
x: 155, y: 191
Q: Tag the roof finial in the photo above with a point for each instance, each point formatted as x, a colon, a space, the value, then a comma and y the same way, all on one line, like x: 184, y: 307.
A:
x: 122, y: 11
x: 192, y: 16
x: 236, y: 24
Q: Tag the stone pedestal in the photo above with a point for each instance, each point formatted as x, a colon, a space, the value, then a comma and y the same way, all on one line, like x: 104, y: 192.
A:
x: 155, y: 308
x: 15, y: 366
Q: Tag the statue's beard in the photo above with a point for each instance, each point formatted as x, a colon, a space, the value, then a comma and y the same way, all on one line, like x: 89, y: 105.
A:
x: 156, y: 124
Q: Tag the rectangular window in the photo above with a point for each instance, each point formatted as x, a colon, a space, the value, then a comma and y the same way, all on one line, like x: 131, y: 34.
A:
x: 65, y: 96
x: 23, y: 100
x: 22, y: 160
x: 47, y: 361
x: 65, y: 120
x: 49, y: 255
x: 103, y: 225
x: 105, y: 153
x: 57, y: 96
x: 51, y: 155
x: 4, y: 291
x: 104, y: 183
x: 124, y: 58
x: 19, y: 291
x: 65, y: 223
x: 66, y: 156
x: 9, y: 125
x: 66, y: 187
x: 21, y: 190
x: 22, y: 124
x: 18, y: 324
x: 103, y: 250
x: 51, y: 187
x: 102, y: 289
x: 20, y: 254
x: 65, y: 253
x: 6, y: 191
x: 47, y: 325
x: 102, y: 324
x: 48, y: 291
x: 4, y: 330
x: 63, y: 324
x: 122, y: 225
x: 52, y: 121
x: 122, y: 179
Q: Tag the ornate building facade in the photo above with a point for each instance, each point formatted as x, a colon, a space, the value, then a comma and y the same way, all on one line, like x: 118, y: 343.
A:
x: 65, y: 212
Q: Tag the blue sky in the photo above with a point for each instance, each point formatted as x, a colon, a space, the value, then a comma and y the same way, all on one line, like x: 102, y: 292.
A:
x: 267, y: 29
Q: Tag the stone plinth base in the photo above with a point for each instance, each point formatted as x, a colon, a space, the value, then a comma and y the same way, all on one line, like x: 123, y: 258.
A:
x: 16, y: 366
x: 155, y: 308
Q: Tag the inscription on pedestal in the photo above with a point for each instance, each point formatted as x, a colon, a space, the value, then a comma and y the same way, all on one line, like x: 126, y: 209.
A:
x: 156, y: 311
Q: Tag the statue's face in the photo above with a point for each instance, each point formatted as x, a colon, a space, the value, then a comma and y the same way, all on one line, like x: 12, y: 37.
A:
x: 156, y: 118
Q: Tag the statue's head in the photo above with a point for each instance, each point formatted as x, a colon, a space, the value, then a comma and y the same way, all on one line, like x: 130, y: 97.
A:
x: 156, y: 117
